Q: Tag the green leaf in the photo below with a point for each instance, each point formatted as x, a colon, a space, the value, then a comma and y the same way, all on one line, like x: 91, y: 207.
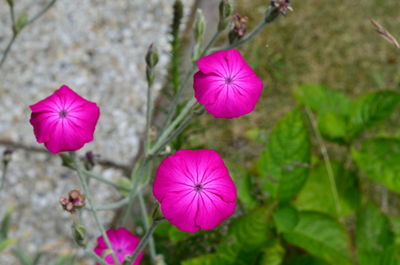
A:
x: 286, y: 218
x: 333, y: 127
x: 273, y: 254
x: 374, y: 238
x: 379, y: 160
x: 242, y: 179
x: 321, y: 236
x: 304, y: 260
x: 250, y: 230
x: 208, y: 259
x: 5, y: 224
x: 246, y: 236
x: 166, y: 229
x: 6, y: 243
x: 243, y: 242
x: 372, y: 108
x: 395, y: 224
x: 283, y: 165
x: 317, y: 192
x: 323, y: 99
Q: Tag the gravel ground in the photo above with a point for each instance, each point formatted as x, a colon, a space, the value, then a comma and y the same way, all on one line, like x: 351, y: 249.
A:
x: 97, y: 48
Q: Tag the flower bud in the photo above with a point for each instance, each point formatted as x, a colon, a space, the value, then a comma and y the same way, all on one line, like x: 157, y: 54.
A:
x: 75, y: 201
x: 7, y: 156
x: 151, y: 56
x: 79, y: 234
x: 67, y: 160
x: 282, y: 6
x: 151, y: 62
x: 157, y: 214
x: 225, y: 10
x: 90, y: 160
x: 239, y: 28
x: 20, y: 23
x: 10, y: 2
x: 199, y: 26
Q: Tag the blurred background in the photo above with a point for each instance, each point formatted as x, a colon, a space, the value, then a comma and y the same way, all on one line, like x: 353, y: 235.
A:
x: 97, y: 47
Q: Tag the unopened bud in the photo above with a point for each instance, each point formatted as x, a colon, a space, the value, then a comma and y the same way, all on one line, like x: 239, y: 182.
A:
x: 20, y: 23
x: 10, y: 2
x: 79, y: 234
x: 67, y: 160
x: 157, y: 214
x: 199, y: 26
x: 225, y: 11
x: 7, y: 156
x: 151, y: 56
x: 151, y: 62
x: 90, y: 160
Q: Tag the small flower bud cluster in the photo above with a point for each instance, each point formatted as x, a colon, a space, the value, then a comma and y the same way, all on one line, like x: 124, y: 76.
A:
x: 239, y: 28
x: 282, y: 5
x: 75, y: 201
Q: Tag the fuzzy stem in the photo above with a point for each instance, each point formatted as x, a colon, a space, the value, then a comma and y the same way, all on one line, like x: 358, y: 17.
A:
x: 144, y: 240
x: 85, y: 187
x: 3, y: 177
x: 41, y: 13
x: 327, y: 161
x: 7, y: 50
x: 111, y: 206
x: 105, y: 181
x: 15, y: 34
x: 143, y: 209
x: 97, y: 258
x: 188, y: 75
x: 165, y: 134
x: 149, y: 107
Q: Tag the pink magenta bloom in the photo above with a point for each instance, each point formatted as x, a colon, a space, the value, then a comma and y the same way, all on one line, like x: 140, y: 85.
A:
x: 64, y: 121
x: 195, y: 190
x: 123, y: 243
x: 226, y: 85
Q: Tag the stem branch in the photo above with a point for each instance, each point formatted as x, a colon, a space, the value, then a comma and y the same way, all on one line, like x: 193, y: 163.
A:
x: 85, y: 187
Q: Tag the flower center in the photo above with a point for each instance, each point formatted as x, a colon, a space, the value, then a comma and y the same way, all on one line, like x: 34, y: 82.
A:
x: 228, y: 80
x: 198, y: 187
x: 119, y: 250
x: 63, y: 113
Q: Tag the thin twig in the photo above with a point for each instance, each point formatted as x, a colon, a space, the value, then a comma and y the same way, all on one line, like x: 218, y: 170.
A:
x: 385, y: 34
x: 327, y: 161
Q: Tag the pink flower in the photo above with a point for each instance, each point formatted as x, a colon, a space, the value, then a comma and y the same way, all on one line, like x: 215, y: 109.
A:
x: 64, y: 121
x: 123, y: 243
x: 226, y: 85
x: 195, y: 190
